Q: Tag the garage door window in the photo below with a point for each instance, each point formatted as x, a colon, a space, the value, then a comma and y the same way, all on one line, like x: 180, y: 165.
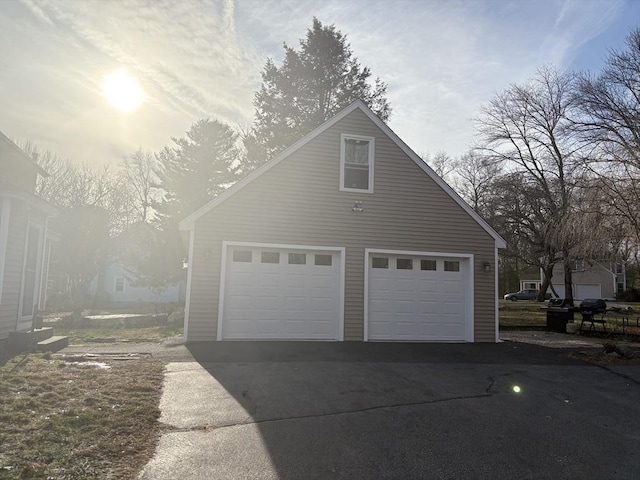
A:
x: 380, y: 262
x: 323, y: 260
x: 404, y: 264
x: 451, y: 266
x: 297, y: 259
x: 242, y: 256
x: 428, y: 265
x: 270, y: 257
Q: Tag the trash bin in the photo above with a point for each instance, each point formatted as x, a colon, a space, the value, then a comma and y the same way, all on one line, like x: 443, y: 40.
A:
x: 559, y: 313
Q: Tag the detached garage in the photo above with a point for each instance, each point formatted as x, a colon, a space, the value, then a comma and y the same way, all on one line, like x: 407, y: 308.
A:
x: 345, y: 236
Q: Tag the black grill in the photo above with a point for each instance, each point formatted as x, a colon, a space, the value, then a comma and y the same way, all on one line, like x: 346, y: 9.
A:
x: 593, y: 306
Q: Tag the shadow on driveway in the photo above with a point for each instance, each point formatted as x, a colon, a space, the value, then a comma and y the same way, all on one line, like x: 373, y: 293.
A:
x: 292, y: 410
x: 500, y: 353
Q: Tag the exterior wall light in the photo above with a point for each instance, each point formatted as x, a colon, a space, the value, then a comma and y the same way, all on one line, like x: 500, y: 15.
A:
x: 357, y: 207
x: 486, y: 266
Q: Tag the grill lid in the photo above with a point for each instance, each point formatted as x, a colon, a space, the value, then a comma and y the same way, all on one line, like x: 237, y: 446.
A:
x: 593, y: 304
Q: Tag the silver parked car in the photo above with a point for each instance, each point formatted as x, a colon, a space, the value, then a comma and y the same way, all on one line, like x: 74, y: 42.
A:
x: 522, y: 295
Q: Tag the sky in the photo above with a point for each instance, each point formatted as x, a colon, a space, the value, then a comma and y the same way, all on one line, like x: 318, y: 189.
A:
x: 193, y: 59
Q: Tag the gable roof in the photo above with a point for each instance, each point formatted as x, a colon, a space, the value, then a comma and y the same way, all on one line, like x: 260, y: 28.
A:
x: 8, y: 144
x: 189, y: 222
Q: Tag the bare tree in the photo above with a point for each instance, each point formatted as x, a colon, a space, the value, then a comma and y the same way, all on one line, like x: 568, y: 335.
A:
x: 608, y: 120
x: 441, y: 163
x: 94, y: 205
x: 526, y: 128
x: 140, y: 175
x: 475, y: 177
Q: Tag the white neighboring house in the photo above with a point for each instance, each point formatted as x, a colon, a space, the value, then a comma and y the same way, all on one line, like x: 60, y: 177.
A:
x: 119, y: 283
x: 118, y: 279
x: 530, y: 281
x: 592, y: 279
x: 25, y: 240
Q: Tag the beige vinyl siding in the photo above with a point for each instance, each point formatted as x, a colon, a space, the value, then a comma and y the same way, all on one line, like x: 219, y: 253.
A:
x: 298, y: 201
x: 12, y: 282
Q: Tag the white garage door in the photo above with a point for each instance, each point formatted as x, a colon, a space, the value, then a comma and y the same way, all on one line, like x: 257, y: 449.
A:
x: 586, y: 290
x: 419, y: 298
x: 580, y: 291
x: 282, y: 293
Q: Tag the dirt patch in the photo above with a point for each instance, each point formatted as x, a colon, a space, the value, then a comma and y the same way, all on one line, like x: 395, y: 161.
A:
x: 607, y: 357
x: 78, y: 420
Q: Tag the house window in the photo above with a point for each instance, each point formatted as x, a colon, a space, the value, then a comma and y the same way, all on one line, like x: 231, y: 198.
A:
x: 324, y: 260
x: 451, y: 266
x: 428, y: 265
x: 270, y: 257
x: 404, y: 264
x: 118, y: 285
x: 380, y: 262
x: 578, y: 266
x: 356, y: 163
x: 297, y: 259
x: 243, y: 256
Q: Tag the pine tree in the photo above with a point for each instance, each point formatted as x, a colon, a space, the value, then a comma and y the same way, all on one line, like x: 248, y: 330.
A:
x: 312, y: 84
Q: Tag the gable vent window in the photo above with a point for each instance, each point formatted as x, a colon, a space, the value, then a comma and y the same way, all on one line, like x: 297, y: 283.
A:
x: 356, y: 163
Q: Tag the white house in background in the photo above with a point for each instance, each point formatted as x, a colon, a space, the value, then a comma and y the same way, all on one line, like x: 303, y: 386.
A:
x: 530, y: 281
x: 119, y: 283
x: 25, y: 240
x: 592, y: 279
x: 119, y: 278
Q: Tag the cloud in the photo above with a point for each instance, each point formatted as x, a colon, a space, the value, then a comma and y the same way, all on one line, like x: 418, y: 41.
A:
x: 185, y: 50
x: 197, y: 58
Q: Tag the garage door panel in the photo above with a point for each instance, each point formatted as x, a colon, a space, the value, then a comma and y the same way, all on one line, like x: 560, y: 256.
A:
x: 418, y: 304
x: 281, y: 300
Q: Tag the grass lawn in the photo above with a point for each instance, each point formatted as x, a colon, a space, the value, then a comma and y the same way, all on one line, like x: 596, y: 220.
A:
x: 77, y: 420
x: 530, y: 314
x: 118, y: 333
x: 112, y: 331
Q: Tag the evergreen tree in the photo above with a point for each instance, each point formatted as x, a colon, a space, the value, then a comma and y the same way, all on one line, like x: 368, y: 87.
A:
x: 200, y: 166
x: 312, y: 84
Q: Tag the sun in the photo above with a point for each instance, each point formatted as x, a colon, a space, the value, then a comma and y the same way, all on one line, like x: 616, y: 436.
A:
x: 123, y: 91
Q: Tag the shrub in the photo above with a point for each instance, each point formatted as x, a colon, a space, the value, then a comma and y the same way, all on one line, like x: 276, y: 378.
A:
x: 630, y: 295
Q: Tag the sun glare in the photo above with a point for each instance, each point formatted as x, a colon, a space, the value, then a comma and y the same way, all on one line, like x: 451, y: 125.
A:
x: 123, y: 91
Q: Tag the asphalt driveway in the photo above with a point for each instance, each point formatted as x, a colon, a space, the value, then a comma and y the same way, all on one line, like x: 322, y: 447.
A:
x: 395, y: 411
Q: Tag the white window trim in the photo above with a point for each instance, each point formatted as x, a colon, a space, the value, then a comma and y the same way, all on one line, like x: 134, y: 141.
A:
x: 115, y: 284
x: 469, y: 300
x: 36, y: 288
x: 372, y: 148
x: 278, y: 246
x: 5, y: 216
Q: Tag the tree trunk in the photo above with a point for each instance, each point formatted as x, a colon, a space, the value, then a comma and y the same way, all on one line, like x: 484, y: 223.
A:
x: 568, y: 281
x: 547, y: 273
